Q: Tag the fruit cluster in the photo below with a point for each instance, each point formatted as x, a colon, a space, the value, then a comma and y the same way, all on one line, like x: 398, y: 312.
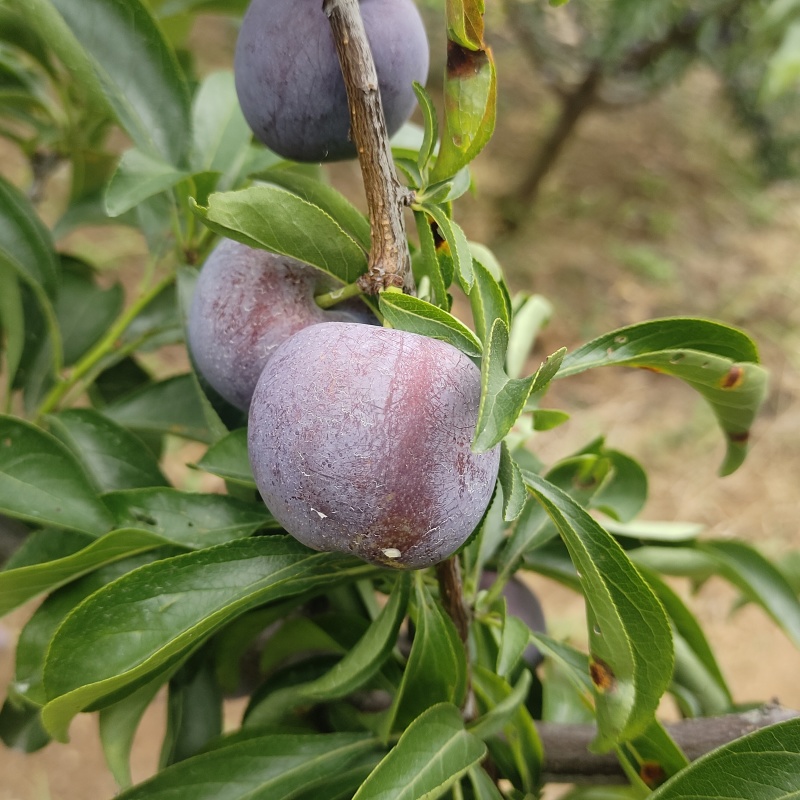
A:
x: 359, y: 436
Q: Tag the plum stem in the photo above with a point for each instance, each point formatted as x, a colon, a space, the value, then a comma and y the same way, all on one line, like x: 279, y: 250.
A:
x: 389, y: 258
x: 448, y: 573
x: 330, y: 299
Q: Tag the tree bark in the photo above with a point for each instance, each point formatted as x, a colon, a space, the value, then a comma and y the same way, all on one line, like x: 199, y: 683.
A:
x: 389, y: 258
x: 566, y: 747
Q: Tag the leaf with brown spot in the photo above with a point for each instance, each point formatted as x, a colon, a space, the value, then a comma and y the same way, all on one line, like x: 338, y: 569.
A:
x: 718, y: 361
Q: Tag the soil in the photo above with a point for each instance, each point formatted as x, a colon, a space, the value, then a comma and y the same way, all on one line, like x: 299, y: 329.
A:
x: 652, y: 211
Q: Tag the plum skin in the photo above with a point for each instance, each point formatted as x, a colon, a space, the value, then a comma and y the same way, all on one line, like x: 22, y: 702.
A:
x: 289, y: 81
x: 245, y: 303
x: 359, y: 439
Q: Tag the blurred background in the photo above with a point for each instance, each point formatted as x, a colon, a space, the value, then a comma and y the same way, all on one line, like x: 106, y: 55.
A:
x: 645, y: 164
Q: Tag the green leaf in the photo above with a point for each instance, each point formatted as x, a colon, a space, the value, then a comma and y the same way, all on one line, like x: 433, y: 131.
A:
x: 274, y: 219
x: 720, y: 362
x: 84, y: 310
x: 501, y: 714
x: 510, y: 477
x: 150, y: 618
x: 503, y: 399
x: 431, y: 127
x: 194, y: 710
x: 470, y: 100
x: 12, y: 326
x: 21, y: 726
x: 323, y: 196
x: 118, y: 724
x: 427, y: 264
x: 409, y: 313
x: 759, y: 581
x: 357, y: 666
x: 25, y: 240
x: 431, y: 755
x: 626, y: 622
x: 494, y: 693
x: 228, y: 459
x: 138, y: 177
x: 760, y: 766
x: 188, y: 519
x: 42, y: 482
x: 624, y: 492
x: 111, y: 456
x: 34, y: 640
x: 171, y: 406
x: 137, y: 69
x: 437, y: 667
x: 220, y: 133
x: 456, y: 241
x: 530, y: 316
x: 270, y: 767
x: 652, y: 757
x: 488, y: 300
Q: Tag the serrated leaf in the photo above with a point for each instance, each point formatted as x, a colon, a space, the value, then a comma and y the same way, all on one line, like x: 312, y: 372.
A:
x: 170, y: 406
x: 760, y: 766
x: 437, y: 667
x: 148, y: 619
x: 271, y: 767
x: 275, y: 219
x: 626, y: 622
x: 431, y: 127
x: 431, y: 755
x: 427, y: 262
x: 510, y: 477
x: 502, y: 398
x: 409, y: 313
x: 228, y: 459
x: 138, y: 177
x: 137, y: 69
x: 720, y: 362
x: 112, y: 457
x: 456, y: 241
x: 42, y: 482
x: 759, y: 581
x: 488, y: 301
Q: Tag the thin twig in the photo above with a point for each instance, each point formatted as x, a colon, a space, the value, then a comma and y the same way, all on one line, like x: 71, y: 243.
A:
x: 389, y: 259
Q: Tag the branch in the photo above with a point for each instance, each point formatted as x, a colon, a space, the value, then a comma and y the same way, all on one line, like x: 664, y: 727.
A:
x: 566, y: 747
x: 389, y: 259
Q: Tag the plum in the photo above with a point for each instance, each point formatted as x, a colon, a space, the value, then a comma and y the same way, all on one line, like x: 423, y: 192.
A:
x: 246, y: 302
x: 359, y: 438
x: 290, y: 85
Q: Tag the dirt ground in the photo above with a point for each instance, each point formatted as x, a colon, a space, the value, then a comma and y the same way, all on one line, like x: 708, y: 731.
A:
x: 652, y: 211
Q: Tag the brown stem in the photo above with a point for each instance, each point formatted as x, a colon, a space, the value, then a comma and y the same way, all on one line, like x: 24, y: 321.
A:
x: 389, y: 259
x: 567, y: 758
x: 448, y: 573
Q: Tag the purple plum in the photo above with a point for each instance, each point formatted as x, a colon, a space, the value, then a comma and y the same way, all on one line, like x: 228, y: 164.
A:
x: 359, y: 439
x: 246, y: 302
x: 290, y: 84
